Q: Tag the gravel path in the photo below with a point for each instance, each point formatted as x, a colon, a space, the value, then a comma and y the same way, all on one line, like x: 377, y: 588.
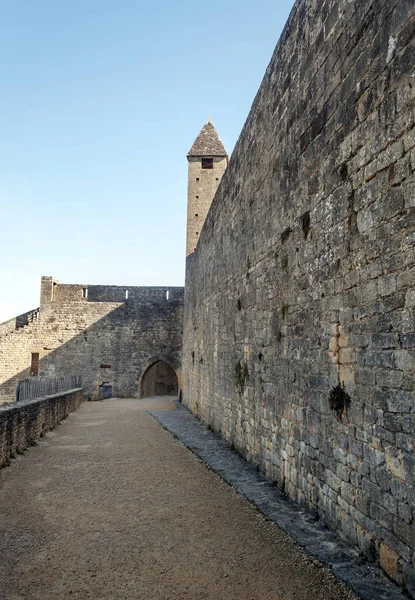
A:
x: 111, y: 506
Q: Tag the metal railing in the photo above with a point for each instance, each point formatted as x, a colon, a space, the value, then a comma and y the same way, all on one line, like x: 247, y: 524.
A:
x: 27, y: 318
x: 38, y: 387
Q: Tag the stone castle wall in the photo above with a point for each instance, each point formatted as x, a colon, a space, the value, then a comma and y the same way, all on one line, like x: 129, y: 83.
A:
x: 23, y: 423
x: 104, y: 337
x: 303, y: 278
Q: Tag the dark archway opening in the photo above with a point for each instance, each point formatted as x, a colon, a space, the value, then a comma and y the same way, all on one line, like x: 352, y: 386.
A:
x: 159, y: 379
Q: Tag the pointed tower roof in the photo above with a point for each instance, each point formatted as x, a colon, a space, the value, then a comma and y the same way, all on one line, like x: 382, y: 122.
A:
x: 208, y: 142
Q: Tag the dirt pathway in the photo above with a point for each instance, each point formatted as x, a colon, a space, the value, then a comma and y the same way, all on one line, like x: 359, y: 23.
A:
x: 111, y: 506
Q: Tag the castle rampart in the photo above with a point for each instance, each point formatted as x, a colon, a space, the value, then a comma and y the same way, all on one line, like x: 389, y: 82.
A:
x: 299, y: 343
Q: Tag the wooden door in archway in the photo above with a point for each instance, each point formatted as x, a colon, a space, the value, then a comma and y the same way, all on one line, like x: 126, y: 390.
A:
x: 159, y: 379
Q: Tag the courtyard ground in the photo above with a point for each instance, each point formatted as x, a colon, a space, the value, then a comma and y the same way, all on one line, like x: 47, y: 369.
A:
x: 111, y: 506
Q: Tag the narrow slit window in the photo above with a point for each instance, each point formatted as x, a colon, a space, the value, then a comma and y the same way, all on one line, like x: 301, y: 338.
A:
x: 126, y: 294
x: 85, y: 292
x: 207, y: 163
x: 167, y: 294
x: 34, y: 364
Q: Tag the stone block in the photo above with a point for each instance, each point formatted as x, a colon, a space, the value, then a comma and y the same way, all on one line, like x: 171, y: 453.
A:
x: 387, y: 285
x: 408, y: 424
x: 392, y: 421
x: 394, y: 462
x: 405, y: 441
x: 399, y: 489
x: 389, y: 378
x: 404, y: 531
x: 389, y: 561
x: 399, y: 401
x: 405, y: 360
x: 409, y: 578
x: 372, y: 456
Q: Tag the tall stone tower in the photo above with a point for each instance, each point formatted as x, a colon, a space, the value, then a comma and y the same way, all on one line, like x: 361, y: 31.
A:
x: 207, y: 163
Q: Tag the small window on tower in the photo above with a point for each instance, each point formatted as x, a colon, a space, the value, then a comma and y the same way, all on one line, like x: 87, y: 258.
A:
x: 207, y: 163
x: 197, y: 233
x: 196, y: 214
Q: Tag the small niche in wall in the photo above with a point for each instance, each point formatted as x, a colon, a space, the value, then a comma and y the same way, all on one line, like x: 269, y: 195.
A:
x: 34, y: 364
x: 85, y: 292
x: 105, y: 390
x: 306, y: 224
x: 104, y: 366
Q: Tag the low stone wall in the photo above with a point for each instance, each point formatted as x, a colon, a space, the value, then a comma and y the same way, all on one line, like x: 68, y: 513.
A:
x: 22, y: 423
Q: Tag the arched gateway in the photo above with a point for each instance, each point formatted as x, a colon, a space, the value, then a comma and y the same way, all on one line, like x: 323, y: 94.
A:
x: 159, y: 379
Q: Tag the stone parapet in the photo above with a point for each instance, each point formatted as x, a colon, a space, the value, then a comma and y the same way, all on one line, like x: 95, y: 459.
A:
x: 23, y: 423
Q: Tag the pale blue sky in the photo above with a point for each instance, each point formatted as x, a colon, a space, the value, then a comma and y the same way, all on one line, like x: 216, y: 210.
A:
x: 100, y: 102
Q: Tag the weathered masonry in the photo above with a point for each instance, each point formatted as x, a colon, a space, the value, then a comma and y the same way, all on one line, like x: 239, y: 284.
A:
x: 299, y: 318
x: 109, y: 335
